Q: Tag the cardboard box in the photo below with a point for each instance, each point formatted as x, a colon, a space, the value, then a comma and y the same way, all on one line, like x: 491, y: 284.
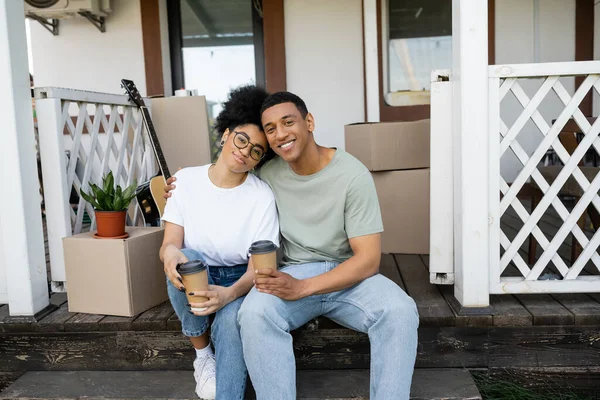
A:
x: 181, y: 124
x: 122, y: 277
x: 404, y: 201
x: 389, y: 146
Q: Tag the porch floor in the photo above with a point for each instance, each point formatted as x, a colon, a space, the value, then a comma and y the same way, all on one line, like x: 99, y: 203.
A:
x: 527, y: 331
x: 435, y: 303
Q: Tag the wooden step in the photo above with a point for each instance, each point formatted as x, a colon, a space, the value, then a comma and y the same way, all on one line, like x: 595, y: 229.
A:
x: 450, y: 384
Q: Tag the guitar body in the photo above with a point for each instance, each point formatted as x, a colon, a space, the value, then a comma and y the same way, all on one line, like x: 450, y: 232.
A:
x: 157, y: 189
x: 150, y: 198
x: 150, y: 194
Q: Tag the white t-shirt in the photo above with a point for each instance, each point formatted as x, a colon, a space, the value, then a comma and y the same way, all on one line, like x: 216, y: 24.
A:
x: 220, y: 223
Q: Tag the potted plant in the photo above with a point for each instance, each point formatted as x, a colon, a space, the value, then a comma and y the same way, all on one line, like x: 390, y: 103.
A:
x: 110, y: 205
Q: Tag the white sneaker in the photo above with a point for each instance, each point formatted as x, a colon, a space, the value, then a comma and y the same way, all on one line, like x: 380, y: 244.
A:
x: 205, y: 375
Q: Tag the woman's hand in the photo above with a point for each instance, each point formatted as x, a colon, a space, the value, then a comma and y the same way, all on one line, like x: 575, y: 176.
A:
x: 173, y: 256
x: 168, y: 187
x: 218, y: 297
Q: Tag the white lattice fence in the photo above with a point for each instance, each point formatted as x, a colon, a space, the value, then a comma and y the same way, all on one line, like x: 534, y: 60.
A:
x: 83, y: 136
x: 509, y: 270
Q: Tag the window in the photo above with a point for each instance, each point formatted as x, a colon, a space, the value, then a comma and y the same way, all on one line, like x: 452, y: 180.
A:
x: 419, y: 39
x: 216, y: 46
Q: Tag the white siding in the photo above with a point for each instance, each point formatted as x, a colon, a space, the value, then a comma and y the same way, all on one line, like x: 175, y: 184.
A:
x: 81, y: 57
x: 324, y: 63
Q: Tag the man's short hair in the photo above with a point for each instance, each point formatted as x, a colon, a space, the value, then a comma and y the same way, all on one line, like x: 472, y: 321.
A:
x: 285, y: 97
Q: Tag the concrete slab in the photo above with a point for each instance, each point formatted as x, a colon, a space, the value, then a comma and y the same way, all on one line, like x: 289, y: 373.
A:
x: 428, y: 384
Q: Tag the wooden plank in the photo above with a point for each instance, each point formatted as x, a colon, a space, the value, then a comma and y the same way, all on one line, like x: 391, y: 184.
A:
x: 173, y: 323
x: 439, y: 347
x: 546, y: 310
x: 452, y: 347
x: 96, y: 351
x: 509, y: 312
x: 154, y: 319
x: 331, y: 349
x: 389, y: 269
x: 55, y: 322
x: 83, y: 322
x: 595, y: 296
x: 585, y: 309
x: 114, y: 323
x: 129, y: 350
x: 433, y: 310
x: 543, y: 346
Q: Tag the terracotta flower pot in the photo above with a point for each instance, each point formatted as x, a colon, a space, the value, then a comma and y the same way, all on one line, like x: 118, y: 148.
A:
x: 110, y: 224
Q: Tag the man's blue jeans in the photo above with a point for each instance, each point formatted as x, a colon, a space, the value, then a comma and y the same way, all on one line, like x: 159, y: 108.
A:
x: 376, y: 306
x: 225, y: 332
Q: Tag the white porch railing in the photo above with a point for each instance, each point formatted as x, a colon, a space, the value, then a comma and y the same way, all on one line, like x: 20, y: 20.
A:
x: 509, y: 272
x: 83, y: 135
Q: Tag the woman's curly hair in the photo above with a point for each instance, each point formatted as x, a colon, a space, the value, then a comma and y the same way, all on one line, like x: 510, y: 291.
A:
x: 243, y: 107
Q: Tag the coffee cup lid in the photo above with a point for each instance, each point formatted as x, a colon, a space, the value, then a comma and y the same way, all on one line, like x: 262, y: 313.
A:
x: 191, y: 267
x: 262, y: 247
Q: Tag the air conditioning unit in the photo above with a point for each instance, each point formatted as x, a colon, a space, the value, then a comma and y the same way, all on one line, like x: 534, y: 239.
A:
x: 55, y: 9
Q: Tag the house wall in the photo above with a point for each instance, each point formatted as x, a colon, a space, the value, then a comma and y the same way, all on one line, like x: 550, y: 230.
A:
x: 533, y: 31
x: 324, y: 63
x: 324, y: 56
x: 81, y: 57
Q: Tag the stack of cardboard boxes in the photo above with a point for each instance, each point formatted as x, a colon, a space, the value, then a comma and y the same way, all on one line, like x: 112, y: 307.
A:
x: 397, y: 154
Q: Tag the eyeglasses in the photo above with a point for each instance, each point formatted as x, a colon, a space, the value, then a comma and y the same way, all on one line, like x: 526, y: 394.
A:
x: 241, y: 141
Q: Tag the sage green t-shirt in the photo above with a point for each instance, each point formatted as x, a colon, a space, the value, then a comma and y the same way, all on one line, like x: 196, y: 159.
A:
x: 318, y: 213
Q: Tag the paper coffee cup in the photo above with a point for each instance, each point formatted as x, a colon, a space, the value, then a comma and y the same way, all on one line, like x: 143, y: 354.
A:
x: 264, y: 255
x: 195, y: 278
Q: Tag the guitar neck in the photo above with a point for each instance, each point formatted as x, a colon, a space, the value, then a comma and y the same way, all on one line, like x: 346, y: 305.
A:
x: 162, y: 163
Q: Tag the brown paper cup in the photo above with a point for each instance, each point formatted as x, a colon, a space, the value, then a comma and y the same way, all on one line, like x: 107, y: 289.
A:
x: 264, y: 261
x: 195, y: 283
x: 264, y: 255
x: 194, y: 275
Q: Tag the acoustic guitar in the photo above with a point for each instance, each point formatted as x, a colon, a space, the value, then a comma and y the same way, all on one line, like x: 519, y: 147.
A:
x: 149, y: 194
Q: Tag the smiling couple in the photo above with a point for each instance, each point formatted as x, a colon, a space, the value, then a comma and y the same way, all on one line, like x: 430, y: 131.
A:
x: 321, y: 202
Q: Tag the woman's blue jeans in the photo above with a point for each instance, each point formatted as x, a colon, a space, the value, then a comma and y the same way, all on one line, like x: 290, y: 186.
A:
x: 225, y: 330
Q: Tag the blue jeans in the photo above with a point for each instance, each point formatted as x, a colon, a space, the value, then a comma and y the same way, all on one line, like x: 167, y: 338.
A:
x: 376, y: 306
x: 225, y: 332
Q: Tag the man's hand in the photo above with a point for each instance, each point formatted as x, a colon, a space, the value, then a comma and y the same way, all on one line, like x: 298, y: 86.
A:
x: 281, y: 285
x: 218, y: 297
x: 168, y: 187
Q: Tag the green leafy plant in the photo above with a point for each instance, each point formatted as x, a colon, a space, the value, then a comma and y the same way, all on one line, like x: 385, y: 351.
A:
x: 108, y: 197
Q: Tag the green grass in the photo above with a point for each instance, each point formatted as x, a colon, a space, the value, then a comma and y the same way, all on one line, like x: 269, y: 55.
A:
x: 505, y: 388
